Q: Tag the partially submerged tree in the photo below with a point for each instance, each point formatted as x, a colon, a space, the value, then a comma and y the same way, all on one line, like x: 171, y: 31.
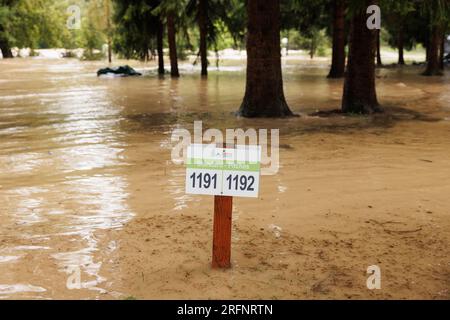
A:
x: 199, y: 9
x: 397, y: 15
x: 338, y: 55
x: 264, y: 95
x: 202, y: 26
x: 378, y: 45
x: 310, y: 18
x: 160, y: 45
x: 359, y: 87
x: 433, y: 63
x: 137, y: 28
x: 171, y: 36
x: 207, y: 14
x: 5, y: 41
x: 438, y: 12
x: 108, y: 29
x: 442, y: 53
x: 234, y: 15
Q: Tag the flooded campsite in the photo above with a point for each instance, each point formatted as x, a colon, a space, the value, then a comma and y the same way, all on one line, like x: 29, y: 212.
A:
x: 87, y: 179
x: 224, y: 154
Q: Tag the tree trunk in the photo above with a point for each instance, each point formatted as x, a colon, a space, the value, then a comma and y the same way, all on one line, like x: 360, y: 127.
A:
x: 202, y: 23
x: 287, y: 44
x: 312, y: 47
x: 264, y: 96
x: 359, y: 86
x: 6, y: 50
x: 159, y: 40
x: 401, y: 41
x: 433, y: 65
x: 379, y: 62
x: 4, y: 46
x: 109, y: 50
x: 442, y: 52
x: 108, y: 27
x: 338, y: 60
x: 171, y: 34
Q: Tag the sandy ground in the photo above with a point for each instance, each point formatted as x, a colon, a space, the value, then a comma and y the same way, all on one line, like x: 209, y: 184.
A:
x: 86, y: 180
x: 343, y: 200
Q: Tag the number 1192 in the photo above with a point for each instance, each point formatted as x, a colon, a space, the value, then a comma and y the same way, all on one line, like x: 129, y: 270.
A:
x: 241, y: 182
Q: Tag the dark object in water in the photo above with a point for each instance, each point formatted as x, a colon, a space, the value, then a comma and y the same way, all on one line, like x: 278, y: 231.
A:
x: 123, y: 71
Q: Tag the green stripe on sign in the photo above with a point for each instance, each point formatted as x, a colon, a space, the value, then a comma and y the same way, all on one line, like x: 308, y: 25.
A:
x: 241, y: 166
x: 223, y: 165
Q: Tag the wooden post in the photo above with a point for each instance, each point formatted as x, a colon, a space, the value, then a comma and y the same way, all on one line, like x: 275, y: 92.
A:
x: 223, y: 211
x: 223, y: 207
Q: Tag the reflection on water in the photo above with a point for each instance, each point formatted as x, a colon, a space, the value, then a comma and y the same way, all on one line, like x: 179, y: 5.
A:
x: 60, y: 153
x: 76, y: 151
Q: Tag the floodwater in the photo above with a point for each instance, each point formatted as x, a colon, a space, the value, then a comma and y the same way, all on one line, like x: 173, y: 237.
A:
x: 72, y: 147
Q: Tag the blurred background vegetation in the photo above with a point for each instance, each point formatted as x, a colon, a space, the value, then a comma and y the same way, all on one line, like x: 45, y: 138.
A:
x: 131, y: 27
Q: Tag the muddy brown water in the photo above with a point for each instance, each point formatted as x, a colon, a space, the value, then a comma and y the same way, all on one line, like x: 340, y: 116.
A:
x: 70, y: 141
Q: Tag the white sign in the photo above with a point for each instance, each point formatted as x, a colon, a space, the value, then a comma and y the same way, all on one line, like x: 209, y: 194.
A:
x: 221, y: 171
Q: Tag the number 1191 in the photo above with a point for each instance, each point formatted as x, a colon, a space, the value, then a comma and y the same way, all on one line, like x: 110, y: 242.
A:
x: 203, y: 180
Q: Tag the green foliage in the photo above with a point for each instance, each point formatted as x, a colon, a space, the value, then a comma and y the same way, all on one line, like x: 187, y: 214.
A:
x: 215, y: 11
x: 32, y: 23
x: 136, y: 27
x: 6, y: 12
x: 90, y: 55
x: 307, y: 16
x: 93, y: 27
x: 307, y: 20
x: 315, y: 43
x: 437, y: 10
x: 234, y: 18
x: 414, y: 18
x: 42, y: 23
x: 225, y: 38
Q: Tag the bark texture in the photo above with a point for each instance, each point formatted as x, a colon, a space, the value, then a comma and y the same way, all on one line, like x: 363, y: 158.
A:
x: 159, y: 44
x: 264, y: 95
x: 6, y: 50
x: 171, y: 35
x: 4, y: 46
x: 442, y: 52
x: 401, y: 44
x: 108, y: 27
x: 359, y: 87
x: 433, y: 64
x: 203, y: 27
x: 338, y: 59
x: 379, y: 61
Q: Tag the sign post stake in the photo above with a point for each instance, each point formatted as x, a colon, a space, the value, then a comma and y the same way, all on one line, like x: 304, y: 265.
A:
x: 225, y: 172
x: 223, y: 212
x: 223, y: 207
